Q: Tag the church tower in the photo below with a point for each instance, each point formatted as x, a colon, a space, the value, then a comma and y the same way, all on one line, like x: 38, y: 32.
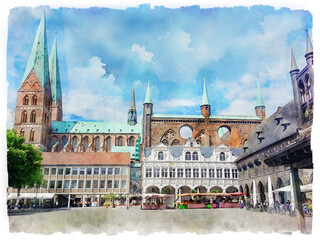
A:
x: 205, y: 105
x: 147, y: 112
x: 260, y: 107
x: 55, y: 84
x: 33, y: 109
x: 132, y: 113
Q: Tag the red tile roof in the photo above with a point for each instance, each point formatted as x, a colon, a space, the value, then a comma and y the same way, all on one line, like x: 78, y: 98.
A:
x: 85, y: 158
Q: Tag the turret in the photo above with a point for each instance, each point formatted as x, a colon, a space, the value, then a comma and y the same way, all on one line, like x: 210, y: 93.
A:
x: 147, y: 112
x: 132, y: 113
x: 309, y: 51
x: 260, y: 107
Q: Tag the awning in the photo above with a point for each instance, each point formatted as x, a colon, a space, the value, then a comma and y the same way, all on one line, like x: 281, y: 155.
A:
x: 30, y: 196
x: 303, y: 188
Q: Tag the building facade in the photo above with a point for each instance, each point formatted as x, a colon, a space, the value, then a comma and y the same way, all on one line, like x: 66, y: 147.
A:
x: 181, y: 169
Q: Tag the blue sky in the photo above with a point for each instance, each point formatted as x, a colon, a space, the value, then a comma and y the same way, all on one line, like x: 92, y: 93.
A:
x: 103, y: 52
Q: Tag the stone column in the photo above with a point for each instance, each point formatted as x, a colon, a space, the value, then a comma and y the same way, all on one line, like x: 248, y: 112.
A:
x: 254, y: 193
x: 270, y: 194
x: 69, y: 201
x: 83, y: 197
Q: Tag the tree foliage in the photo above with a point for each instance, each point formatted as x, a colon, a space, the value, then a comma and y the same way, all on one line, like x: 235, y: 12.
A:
x: 23, y: 162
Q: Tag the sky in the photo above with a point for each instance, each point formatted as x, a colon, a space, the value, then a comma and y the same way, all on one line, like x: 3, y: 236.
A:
x: 104, y: 52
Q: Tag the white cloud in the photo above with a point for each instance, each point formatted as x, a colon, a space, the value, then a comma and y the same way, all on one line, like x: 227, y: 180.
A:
x: 142, y: 53
x: 177, y: 103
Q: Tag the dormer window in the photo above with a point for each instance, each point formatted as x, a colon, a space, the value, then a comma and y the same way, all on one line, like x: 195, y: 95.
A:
x: 285, y: 126
x: 191, y: 144
x: 259, y: 132
x: 222, y: 156
x: 194, y: 156
x: 188, y: 156
x: 160, y: 155
x: 278, y: 119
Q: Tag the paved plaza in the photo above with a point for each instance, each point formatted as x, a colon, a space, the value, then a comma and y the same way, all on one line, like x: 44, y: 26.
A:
x: 116, y: 220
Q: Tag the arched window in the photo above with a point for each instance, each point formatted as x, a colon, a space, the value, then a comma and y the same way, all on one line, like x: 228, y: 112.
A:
x: 194, y: 156
x: 85, y: 144
x: 160, y: 155
x: 34, y: 100
x: 64, y: 141
x: 24, y: 116
x: 191, y: 144
x: 31, y: 137
x: 120, y: 141
x: 33, y: 116
x: 96, y: 144
x: 74, y: 144
x: 188, y: 156
x: 22, y: 132
x: 222, y: 156
x: 26, y: 100
x: 131, y: 141
x: 108, y: 144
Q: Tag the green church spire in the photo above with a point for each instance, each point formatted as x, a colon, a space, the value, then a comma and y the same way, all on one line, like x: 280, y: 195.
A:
x: 132, y: 113
x: 55, y: 74
x: 38, y: 59
x: 205, y: 100
x: 148, y: 94
x: 260, y: 101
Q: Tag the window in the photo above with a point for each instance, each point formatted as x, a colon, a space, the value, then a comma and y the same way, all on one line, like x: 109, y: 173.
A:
x: 108, y: 144
x: 64, y: 141
x: 116, y: 184
x: 102, y: 183
x: 74, y: 144
x: 180, y: 172
x: 195, y: 172
x: 53, y: 171
x: 81, y: 172
x: 89, y: 171
x: 95, y: 184
x: 96, y: 144
x: 74, y: 171
x: 88, y: 183
x: 109, y: 184
x: 33, y: 116
x: 117, y: 171
x: 81, y: 183
x: 103, y: 171
x: 188, y: 172
x: 22, y: 132
x: 211, y: 173
x: 227, y: 173
x: 44, y: 184
x: 26, y: 100
x: 59, y: 184
x: 110, y: 171
x: 191, y: 144
x: 123, y: 171
x: 234, y: 173
x: 203, y: 172
x: 96, y: 171
x: 156, y: 172
x: 164, y: 172
x: 123, y: 183
x: 222, y: 156
x: 52, y: 184
x: 148, y: 172
x: 194, y: 156
x: 31, y: 137
x: 160, y: 155
x: 119, y: 141
x: 85, y: 144
x: 66, y: 184
x: 24, y: 116
x: 219, y: 173
x: 188, y: 156
x: 172, y: 172
x: 131, y: 141
x: 34, y: 100
x: 68, y: 170
x: 60, y: 171
x: 46, y: 171
x: 74, y: 184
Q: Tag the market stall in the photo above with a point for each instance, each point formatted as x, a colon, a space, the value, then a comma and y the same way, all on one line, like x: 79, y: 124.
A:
x: 157, y: 201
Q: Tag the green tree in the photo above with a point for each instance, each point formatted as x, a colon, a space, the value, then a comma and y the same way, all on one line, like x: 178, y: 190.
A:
x: 23, y: 162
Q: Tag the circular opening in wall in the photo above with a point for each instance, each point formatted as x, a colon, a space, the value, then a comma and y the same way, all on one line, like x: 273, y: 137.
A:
x: 186, y: 132
x: 224, y: 132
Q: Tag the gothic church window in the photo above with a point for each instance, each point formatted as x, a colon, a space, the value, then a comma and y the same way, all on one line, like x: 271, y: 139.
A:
x: 26, y: 100
x: 108, y: 144
x: 31, y: 137
x: 34, y: 100
x: 74, y: 144
x: 96, y: 144
x: 24, y: 116
x: 85, y: 144
x: 188, y: 156
x: 194, y: 156
x: 119, y: 141
x: 33, y: 116
x: 222, y: 156
x: 22, y: 132
x: 131, y: 141
x: 160, y: 156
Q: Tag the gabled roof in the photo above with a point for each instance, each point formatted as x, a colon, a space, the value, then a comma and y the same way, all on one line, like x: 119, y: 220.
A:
x: 55, y: 74
x: 94, y: 127
x: 38, y: 59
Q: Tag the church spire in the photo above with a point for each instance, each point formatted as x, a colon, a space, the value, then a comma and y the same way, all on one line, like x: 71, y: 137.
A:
x: 205, y: 100
x: 294, y: 66
x: 148, y: 94
x: 132, y: 113
x: 55, y: 74
x: 38, y: 59
x: 260, y: 101
x: 309, y: 47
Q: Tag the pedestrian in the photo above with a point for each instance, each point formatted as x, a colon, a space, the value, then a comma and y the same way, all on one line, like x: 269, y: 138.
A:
x: 223, y: 202
x: 241, y: 203
x: 217, y: 202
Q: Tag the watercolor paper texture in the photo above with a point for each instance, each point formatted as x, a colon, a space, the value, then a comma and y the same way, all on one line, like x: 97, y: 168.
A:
x: 124, y: 82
